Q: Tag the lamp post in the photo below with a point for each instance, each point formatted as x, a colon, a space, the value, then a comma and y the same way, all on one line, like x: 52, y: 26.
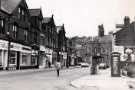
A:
x: 8, y: 60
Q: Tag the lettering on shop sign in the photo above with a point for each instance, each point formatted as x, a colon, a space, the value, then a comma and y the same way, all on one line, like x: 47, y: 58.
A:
x: 24, y: 48
x: 3, y: 45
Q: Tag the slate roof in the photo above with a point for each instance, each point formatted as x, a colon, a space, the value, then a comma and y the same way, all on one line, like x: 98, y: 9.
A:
x: 46, y: 19
x: 59, y: 28
x: 9, y: 5
x: 106, y: 38
x: 35, y: 12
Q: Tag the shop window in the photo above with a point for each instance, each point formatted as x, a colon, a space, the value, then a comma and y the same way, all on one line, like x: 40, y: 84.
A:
x: 0, y: 58
x: 13, y: 57
x: 24, y: 59
x: 25, y: 35
x: 34, y: 60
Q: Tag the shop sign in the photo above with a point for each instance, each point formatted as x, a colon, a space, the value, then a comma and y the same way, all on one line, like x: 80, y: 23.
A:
x: 119, y: 49
x: 15, y: 47
x: 64, y: 55
x: 42, y: 48
x: 19, y: 47
x: 26, y: 49
x: 3, y: 44
x: 34, y: 52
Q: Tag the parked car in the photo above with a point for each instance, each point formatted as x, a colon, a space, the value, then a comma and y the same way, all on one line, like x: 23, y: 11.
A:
x: 103, y: 66
x: 83, y: 64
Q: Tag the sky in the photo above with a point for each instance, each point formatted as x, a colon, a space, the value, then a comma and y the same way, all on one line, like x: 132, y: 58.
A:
x: 82, y: 17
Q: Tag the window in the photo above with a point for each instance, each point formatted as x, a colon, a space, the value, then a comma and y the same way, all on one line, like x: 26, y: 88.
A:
x: 2, y: 23
x: 22, y: 12
x: 24, y: 58
x: 33, y: 60
x: 0, y: 57
x: 14, y: 31
x: 25, y: 35
x: 23, y: 15
x: 13, y: 57
x: 2, y: 26
x: 19, y: 10
x: 35, y: 37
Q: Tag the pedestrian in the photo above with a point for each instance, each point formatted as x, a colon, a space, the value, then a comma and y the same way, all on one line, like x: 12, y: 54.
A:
x: 49, y: 64
x: 58, y: 66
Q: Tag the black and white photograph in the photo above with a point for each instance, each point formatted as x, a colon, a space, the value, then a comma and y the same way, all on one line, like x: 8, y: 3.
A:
x: 67, y: 44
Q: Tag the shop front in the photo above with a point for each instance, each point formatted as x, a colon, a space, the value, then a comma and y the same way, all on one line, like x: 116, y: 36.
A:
x: 20, y: 56
x: 65, y: 58
x: 34, y: 59
x: 48, y: 57
x: 54, y: 57
x: 3, y: 54
x: 42, y: 57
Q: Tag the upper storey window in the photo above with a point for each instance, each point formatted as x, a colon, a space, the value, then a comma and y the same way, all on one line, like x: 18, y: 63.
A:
x: 2, y: 24
x: 21, y: 14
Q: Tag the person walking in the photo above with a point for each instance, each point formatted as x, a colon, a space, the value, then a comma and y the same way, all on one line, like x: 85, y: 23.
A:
x: 49, y: 64
x: 58, y: 66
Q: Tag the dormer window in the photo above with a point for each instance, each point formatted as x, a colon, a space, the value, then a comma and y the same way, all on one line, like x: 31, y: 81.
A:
x: 14, y: 30
x: 19, y: 10
x: 22, y: 12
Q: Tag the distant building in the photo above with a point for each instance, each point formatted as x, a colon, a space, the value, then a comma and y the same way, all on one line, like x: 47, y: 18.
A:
x: 62, y: 44
x: 106, y: 48
x: 101, y: 30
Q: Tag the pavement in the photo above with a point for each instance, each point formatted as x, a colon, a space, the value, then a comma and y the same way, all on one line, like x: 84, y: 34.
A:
x: 104, y: 81
x: 25, y: 71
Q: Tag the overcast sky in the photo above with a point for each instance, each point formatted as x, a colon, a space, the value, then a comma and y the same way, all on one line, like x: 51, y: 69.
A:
x: 81, y: 17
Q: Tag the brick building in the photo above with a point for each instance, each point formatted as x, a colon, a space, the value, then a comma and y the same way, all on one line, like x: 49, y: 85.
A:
x: 15, y: 35
x: 62, y: 44
x: 27, y: 39
x: 51, y: 39
x: 36, y: 18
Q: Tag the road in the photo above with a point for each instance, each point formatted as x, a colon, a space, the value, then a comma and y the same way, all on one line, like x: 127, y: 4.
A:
x: 42, y: 80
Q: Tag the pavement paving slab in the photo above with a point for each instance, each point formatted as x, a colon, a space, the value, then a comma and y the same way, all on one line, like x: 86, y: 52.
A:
x: 104, y: 81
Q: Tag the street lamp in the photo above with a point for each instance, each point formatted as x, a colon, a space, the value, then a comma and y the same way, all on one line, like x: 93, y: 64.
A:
x: 8, y: 60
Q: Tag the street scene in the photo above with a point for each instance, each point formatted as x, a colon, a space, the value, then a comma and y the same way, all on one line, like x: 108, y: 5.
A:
x: 67, y: 45
x: 41, y: 80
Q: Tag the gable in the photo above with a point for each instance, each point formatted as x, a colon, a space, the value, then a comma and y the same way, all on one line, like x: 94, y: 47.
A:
x: 36, y: 12
x: 125, y: 37
x: 9, y: 5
